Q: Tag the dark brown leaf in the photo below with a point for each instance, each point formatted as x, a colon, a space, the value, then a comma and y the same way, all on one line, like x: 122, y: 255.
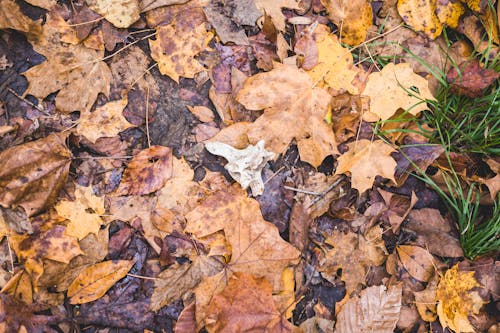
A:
x: 470, y: 79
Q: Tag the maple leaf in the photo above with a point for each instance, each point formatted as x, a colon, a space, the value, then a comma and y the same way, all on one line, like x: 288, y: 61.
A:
x: 32, y: 174
x: 273, y: 9
x: 376, y: 310
x: 83, y: 213
x: 106, y: 121
x: 396, y: 86
x: 121, y: 13
x: 78, y: 73
x: 365, y: 160
x: 456, y: 300
x: 175, y: 48
x: 293, y: 109
x: 147, y: 172
x: 352, y: 17
x: 245, y: 305
x: 93, y: 282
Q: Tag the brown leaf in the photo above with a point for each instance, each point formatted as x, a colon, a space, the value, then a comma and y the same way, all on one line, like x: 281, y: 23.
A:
x: 121, y: 13
x: 470, y: 79
x: 32, y: 174
x: 273, y: 9
x: 11, y: 17
x: 93, y: 282
x: 219, y: 15
x: 376, y: 310
x: 417, y: 261
x: 147, y: 172
x: 413, y: 157
x: 245, y: 305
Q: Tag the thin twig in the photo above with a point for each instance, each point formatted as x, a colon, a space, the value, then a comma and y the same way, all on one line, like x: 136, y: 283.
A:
x: 301, y: 191
x: 331, y: 187
x: 273, y: 175
x: 142, y: 277
x: 87, y: 22
x: 147, y: 117
x: 11, y: 257
x: 28, y: 102
x: 102, y: 157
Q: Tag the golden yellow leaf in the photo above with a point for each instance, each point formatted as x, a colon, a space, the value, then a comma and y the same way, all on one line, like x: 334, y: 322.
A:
x: 456, y: 300
x: 94, y: 281
x: 83, y: 213
x: 121, y: 13
x: 449, y: 12
x: 473, y: 4
x: 352, y: 17
x: 335, y: 66
x: 273, y: 9
x: 417, y: 261
x: 396, y: 86
x: 106, y: 121
x: 175, y: 48
x: 365, y: 160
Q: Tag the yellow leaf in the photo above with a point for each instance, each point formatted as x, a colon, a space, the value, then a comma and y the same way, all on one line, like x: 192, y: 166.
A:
x: 365, y: 160
x: 456, y: 300
x: 121, y: 13
x: 396, y: 86
x: 449, y: 12
x: 94, y: 281
x: 83, y: 213
x: 417, y: 261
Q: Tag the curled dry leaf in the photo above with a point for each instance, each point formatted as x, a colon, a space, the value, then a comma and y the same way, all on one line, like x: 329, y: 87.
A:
x: 32, y: 174
x: 147, y: 172
x: 365, y: 160
x: 121, y: 13
x: 417, y: 261
x: 376, y: 310
x: 93, y: 282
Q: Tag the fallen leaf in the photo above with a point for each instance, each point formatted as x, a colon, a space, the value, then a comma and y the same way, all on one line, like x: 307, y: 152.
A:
x: 45, y: 4
x: 175, y: 48
x: 32, y: 174
x: 273, y: 9
x: 456, y: 300
x: 245, y: 305
x: 375, y: 310
x: 147, y: 5
x: 121, y: 13
x: 365, y: 160
x: 147, y: 172
x: 94, y: 281
x: 353, y: 18
x: 396, y: 86
x: 203, y: 113
x: 245, y: 165
x: 11, y: 17
x: 317, y: 325
x: 106, y: 121
x: 219, y: 15
x: 20, y: 287
x: 83, y: 213
x: 426, y: 302
x: 417, y: 261
x: 411, y: 158
x: 470, y: 79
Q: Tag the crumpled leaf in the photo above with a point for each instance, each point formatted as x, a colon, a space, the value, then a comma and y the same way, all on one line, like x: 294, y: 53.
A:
x: 245, y: 305
x: 32, y: 174
x: 353, y: 18
x: 376, y: 310
x: 456, y: 300
x: 470, y: 79
x: 273, y: 9
x: 175, y: 48
x: 396, y: 86
x: 365, y: 160
x: 293, y: 109
x: 417, y: 261
x: 177, y: 280
x: 83, y: 213
x: 147, y: 172
x: 245, y: 165
x: 93, y: 282
x: 121, y: 13
x: 106, y: 121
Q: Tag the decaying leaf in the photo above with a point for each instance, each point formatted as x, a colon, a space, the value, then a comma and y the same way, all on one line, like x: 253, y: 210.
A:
x: 106, y: 121
x: 147, y: 172
x: 245, y: 165
x: 83, y: 213
x: 470, y: 79
x: 417, y: 261
x: 93, y: 282
x: 273, y: 9
x: 245, y: 305
x: 376, y: 310
x: 396, y: 86
x: 456, y: 300
x: 32, y: 174
x: 425, y: 301
x: 12, y: 18
x: 121, y: 13
x: 365, y: 160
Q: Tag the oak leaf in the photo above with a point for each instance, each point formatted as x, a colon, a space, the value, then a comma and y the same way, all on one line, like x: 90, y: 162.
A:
x: 245, y: 305
x: 106, y: 121
x: 417, y: 261
x: 121, y: 13
x: 32, y: 174
x: 147, y: 172
x: 94, y: 281
x: 456, y: 299
x: 83, y: 213
x: 273, y: 9
x: 396, y: 86
x: 376, y: 310
x: 365, y: 160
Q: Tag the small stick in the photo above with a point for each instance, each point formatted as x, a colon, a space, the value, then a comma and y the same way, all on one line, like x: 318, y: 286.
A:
x: 331, y: 187
x: 273, y: 175
x: 301, y: 191
x: 142, y: 277
x: 28, y: 102
x: 147, y: 117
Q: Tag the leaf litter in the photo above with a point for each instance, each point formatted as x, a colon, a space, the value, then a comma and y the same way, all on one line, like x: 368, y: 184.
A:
x: 188, y: 165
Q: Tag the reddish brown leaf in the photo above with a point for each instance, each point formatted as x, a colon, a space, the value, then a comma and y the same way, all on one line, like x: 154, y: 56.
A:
x: 470, y: 79
x: 147, y: 172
